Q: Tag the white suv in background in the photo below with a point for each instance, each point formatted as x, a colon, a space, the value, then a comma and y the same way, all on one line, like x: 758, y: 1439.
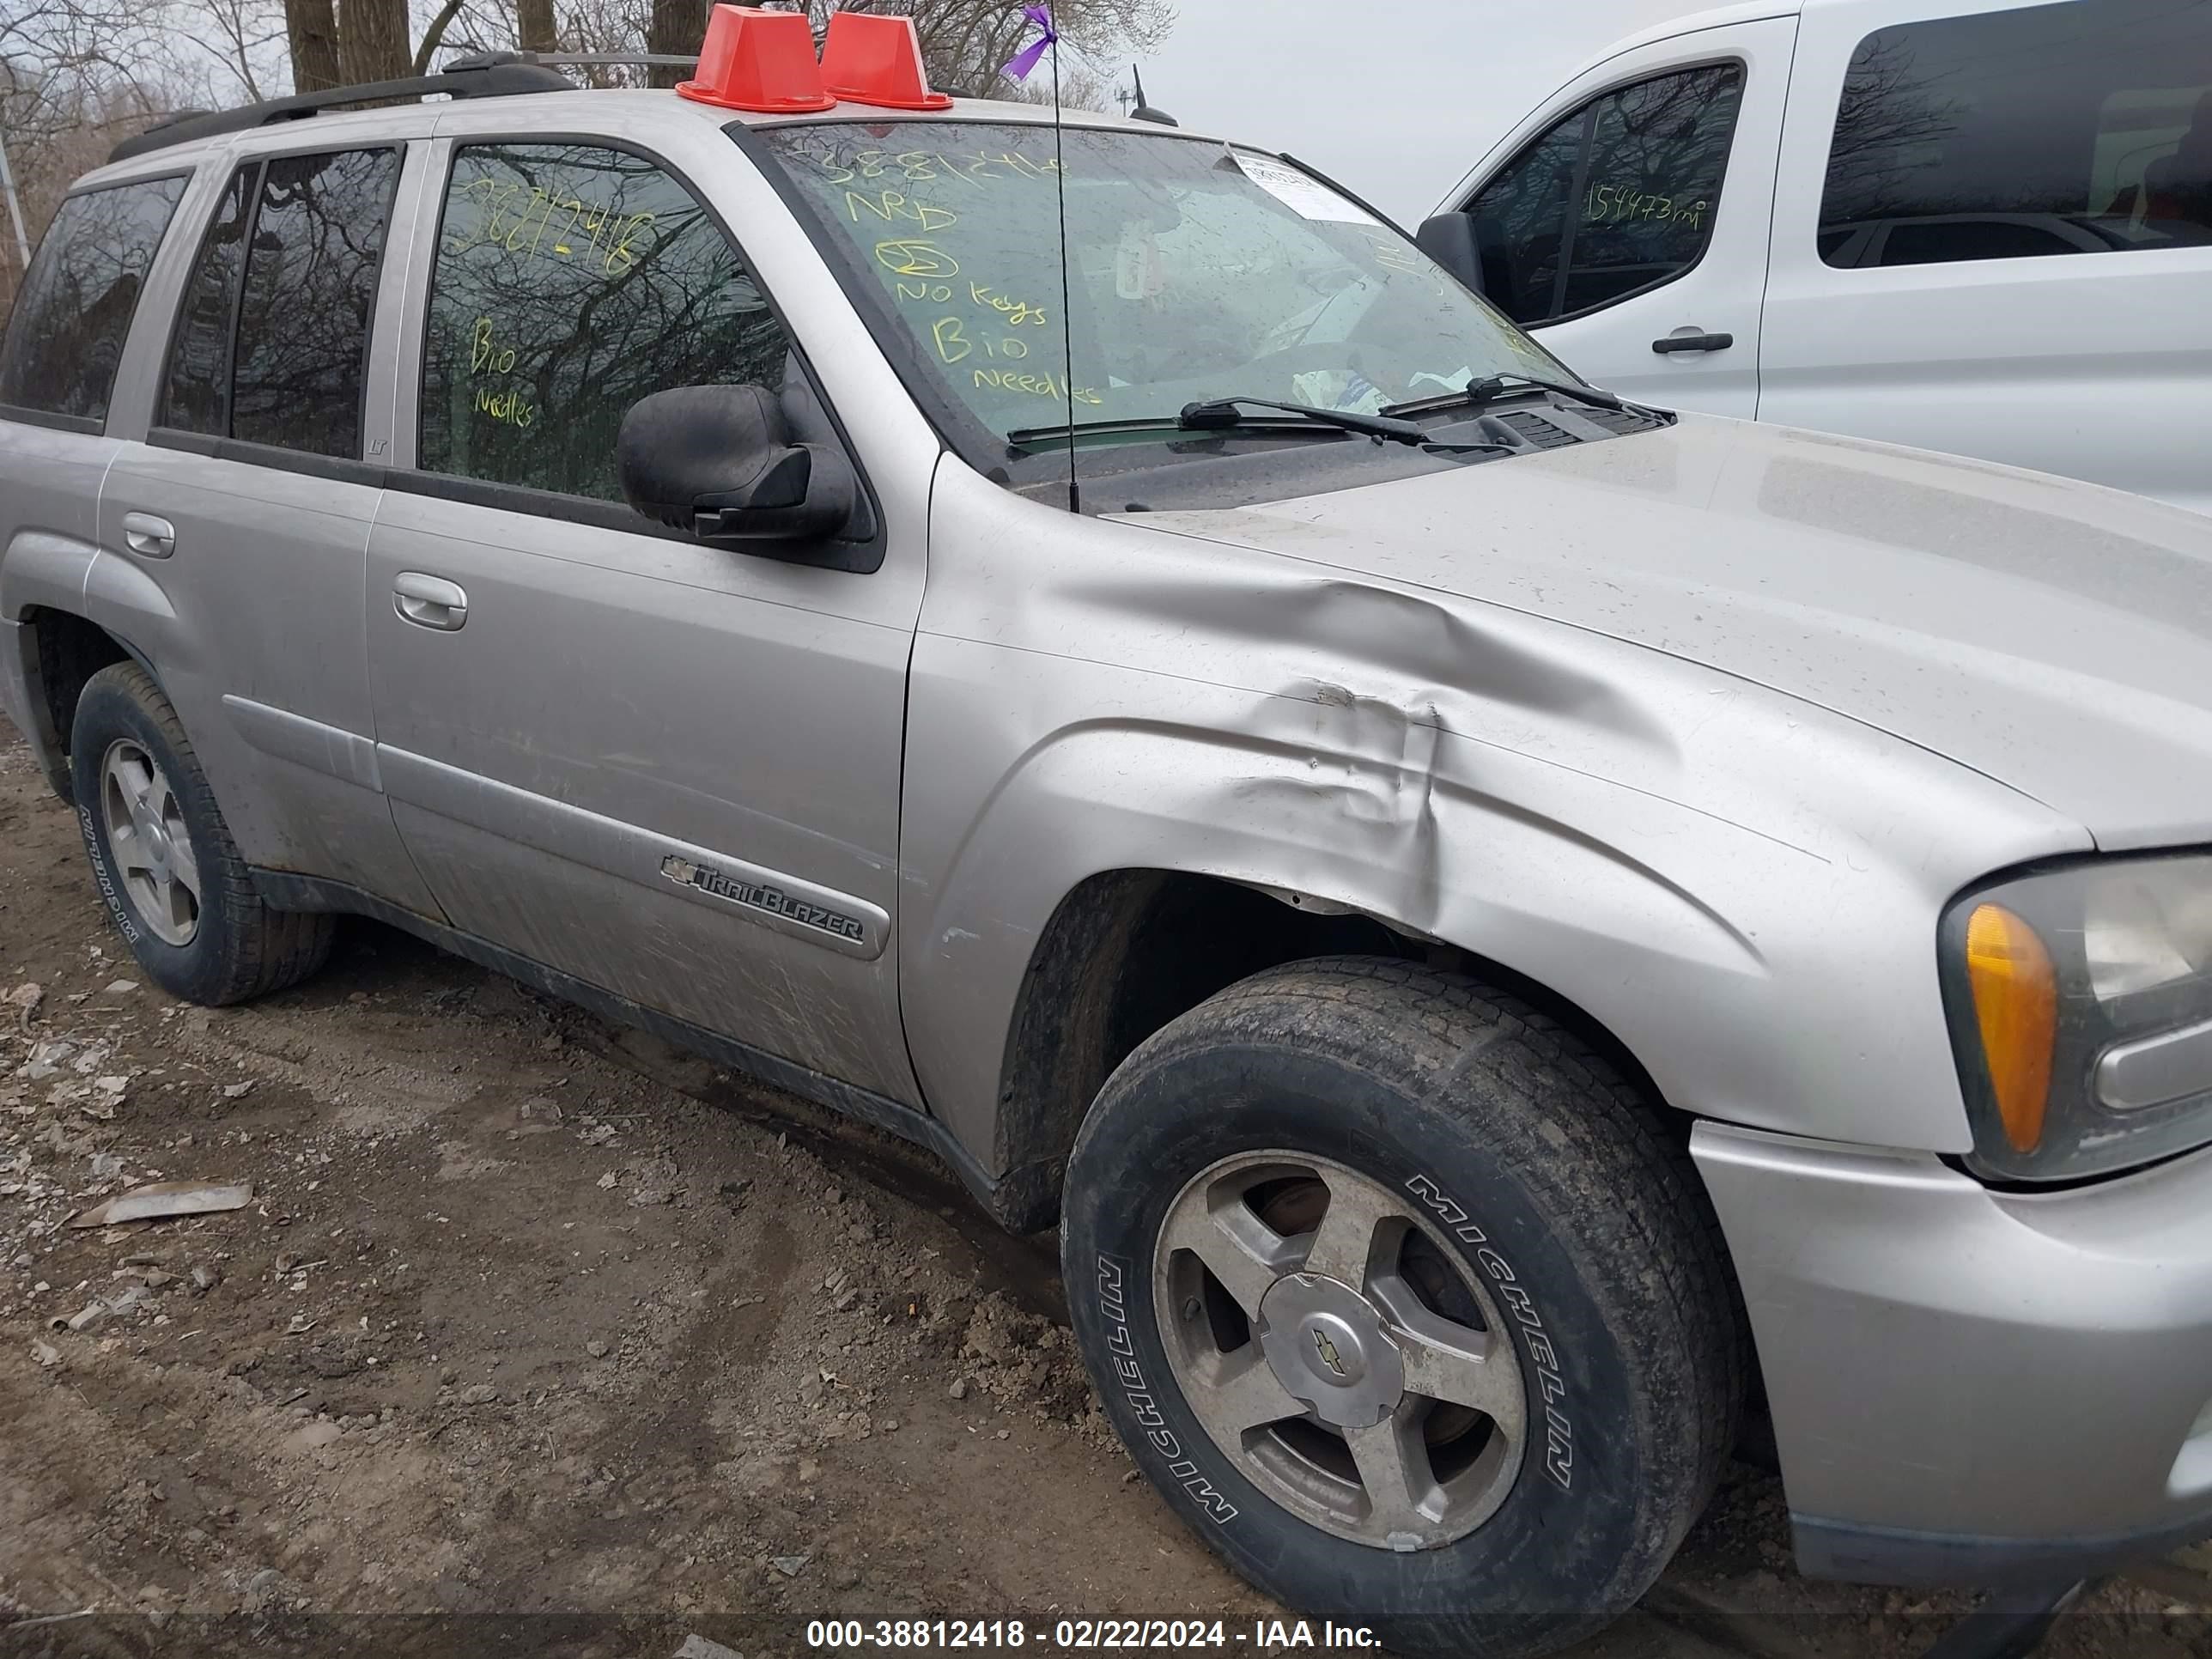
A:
x: 1863, y: 216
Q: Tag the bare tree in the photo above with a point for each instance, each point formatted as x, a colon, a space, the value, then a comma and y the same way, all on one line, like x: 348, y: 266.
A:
x: 675, y: 26
x: 311, y: 26
x: 534, y: 27
x: 58, y: 43
x: 608, y: 25
x: 347, y: 42
x: 1893, y: 123
x: 59, y: 123
x: 238, y: 43
x: 435, y: 36
x: 75, y: 74
x: 373, y: 36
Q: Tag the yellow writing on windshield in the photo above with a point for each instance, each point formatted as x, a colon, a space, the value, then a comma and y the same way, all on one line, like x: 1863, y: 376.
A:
x: 915, y: 166
x: 1035, y: 385
x: 955, y: 344
x: 903, y: 258
x: 891, y: 204
x: 1016, y: 312
x: 933, y: 211
x: 974, y: 169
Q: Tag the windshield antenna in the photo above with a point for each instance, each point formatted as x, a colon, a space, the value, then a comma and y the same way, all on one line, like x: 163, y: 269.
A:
x: 1067, y: 286
x: 1019, y: 70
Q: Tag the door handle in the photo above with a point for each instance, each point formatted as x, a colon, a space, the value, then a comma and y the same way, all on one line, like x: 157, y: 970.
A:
x: 429, y: 601
x: 1692, y: 338
x: 148, y: 536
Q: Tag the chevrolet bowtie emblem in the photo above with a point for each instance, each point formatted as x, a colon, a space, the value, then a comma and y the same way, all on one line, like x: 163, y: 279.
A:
x: 1327, y: 1349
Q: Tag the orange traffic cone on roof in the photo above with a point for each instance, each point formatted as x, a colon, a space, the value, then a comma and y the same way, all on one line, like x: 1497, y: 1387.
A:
x: 868, y: 59
x: 761, y: 61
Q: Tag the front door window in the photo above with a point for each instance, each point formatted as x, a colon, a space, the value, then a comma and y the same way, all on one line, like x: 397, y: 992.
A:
x: 1616, y: 199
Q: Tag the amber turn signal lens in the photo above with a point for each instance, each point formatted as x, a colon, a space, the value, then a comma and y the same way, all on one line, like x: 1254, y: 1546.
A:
x: 2016, y: 1005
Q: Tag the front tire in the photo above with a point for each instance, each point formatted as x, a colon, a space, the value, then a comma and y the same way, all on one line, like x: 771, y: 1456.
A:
x: 171, y: 878
x: 1400, y: 1298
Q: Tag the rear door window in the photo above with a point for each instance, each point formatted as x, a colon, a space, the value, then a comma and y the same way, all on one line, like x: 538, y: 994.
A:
x: 74, y: 310
x: 571, y: 280
x: 195, y: 392
x: 1618, y: 199
x: 2082, y: 127
x: 271, y: 339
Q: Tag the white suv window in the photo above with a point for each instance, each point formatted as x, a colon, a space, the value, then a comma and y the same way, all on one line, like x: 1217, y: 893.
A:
x: 2080, y: 128
x: 1616, y: 199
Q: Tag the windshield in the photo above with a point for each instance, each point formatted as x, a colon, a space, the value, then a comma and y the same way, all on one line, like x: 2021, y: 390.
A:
x: 1197, y: 270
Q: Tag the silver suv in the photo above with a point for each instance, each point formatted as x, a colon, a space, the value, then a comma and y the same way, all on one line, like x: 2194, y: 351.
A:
x: 1504, y: 925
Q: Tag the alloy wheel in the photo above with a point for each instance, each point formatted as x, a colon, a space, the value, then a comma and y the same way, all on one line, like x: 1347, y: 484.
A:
x: 151, y: 846
x: 1340, y: 1350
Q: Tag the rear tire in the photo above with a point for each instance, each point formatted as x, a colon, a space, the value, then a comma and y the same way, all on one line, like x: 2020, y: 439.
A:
x: 170, y: 876
x: 1544, y: 1329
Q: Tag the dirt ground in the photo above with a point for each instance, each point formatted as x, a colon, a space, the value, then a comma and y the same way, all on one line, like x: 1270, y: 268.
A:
x: 538, y: 1336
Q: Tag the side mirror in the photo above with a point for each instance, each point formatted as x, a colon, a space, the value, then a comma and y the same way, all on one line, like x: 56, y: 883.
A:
x: 717, y: 462
x: 1450, y: 239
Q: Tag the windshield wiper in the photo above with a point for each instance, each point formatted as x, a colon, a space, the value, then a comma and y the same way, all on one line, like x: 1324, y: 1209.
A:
x: 1036, y: 437
x: 1219, y: 414
x: 1480, y: 394
x: 1227, y: 415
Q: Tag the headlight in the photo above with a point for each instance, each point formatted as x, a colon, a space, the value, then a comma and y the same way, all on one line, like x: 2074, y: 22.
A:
x: 2081, y: 1007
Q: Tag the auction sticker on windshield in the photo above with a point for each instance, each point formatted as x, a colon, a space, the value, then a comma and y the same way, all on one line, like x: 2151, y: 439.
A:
x: 1305, y: 197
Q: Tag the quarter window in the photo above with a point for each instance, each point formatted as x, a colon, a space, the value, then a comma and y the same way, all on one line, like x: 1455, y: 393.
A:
x: 2079, y: 128
x: 271, y: 339
x: 1617, y: 198
x: 76, y: 302
x: 571, y: 280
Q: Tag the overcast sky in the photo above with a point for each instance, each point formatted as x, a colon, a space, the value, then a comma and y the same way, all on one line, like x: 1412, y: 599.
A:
x: 1397, y: 101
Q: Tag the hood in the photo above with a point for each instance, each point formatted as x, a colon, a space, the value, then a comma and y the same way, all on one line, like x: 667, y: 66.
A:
x: 2054, y: 636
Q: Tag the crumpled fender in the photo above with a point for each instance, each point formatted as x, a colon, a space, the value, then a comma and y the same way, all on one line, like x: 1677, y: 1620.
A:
x: 1742, y: 888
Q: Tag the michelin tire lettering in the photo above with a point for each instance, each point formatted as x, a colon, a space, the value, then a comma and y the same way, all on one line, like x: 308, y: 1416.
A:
x: 1113, y: 1301
x: 125, y: 922
x: 1558, y: 1428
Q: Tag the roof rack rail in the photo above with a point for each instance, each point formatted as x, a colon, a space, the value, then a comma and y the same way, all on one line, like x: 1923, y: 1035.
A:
x: 495, y: 76
x: 595, y: 59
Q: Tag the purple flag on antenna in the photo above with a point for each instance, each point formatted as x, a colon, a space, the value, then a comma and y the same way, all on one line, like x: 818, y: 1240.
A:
x: 1031, y: 56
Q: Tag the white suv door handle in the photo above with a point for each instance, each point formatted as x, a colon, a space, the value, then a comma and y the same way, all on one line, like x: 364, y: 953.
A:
x: 1691, y: 338
x: 429, y: 601
x: 148, y: 536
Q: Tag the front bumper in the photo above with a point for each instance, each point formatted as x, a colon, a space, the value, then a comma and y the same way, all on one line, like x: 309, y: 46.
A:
x: 1968, y: 1386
